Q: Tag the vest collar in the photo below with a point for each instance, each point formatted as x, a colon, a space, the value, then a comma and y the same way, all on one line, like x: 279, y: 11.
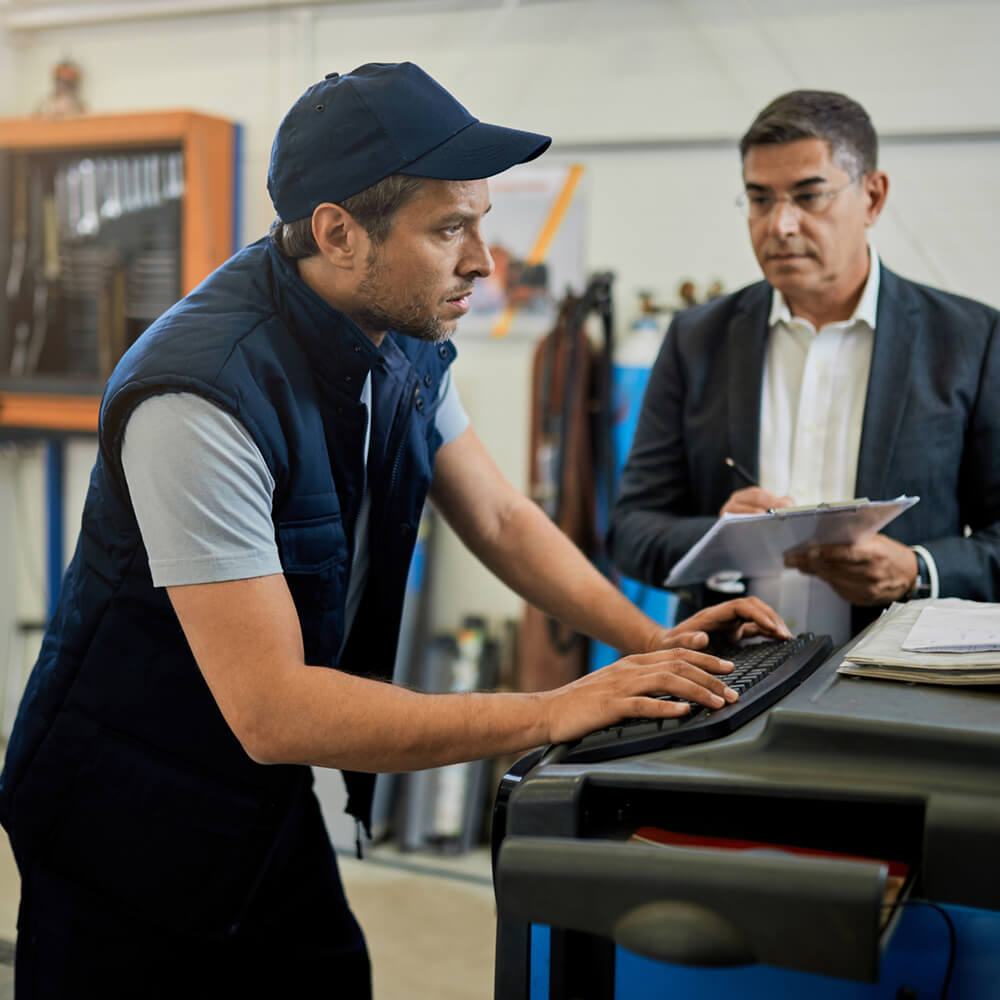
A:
x: 337, y: 348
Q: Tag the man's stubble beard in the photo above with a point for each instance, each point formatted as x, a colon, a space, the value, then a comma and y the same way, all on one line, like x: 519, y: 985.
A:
x: 406, y: 318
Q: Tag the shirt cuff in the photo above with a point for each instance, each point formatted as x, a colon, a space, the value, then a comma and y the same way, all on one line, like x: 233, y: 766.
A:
x: 931, y: 568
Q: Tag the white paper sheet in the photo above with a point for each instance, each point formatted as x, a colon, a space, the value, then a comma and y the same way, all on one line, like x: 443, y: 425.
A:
x: 955, y: 629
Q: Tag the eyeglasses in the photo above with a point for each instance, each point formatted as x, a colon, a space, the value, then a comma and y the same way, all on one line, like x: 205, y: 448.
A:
x: 815, y: 201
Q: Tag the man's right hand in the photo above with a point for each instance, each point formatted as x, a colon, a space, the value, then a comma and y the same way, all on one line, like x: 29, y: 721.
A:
x: 753, y: 500
x: 628, y: 688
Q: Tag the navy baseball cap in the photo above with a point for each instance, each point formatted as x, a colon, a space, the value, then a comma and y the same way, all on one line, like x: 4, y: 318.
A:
x: 351, y: 130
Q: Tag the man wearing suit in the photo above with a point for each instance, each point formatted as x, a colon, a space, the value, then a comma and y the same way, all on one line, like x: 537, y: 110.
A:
x: 832, y: 378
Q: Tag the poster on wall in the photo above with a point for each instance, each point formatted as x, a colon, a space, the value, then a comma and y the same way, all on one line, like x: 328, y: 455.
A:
x: 535, y: 233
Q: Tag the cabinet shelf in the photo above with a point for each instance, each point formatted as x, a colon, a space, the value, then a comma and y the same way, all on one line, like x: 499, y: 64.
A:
x: 64, y: 412
x: 199, y: 224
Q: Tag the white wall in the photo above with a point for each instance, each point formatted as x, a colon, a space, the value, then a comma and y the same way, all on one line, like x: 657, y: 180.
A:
x: 596, y: 75
x: 639, y: 92
x: 7, y: 75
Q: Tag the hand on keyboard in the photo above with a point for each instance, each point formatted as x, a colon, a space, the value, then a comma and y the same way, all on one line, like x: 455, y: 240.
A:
x: 763, y: 673
x: 632, y: 686
x: 665, y: 683
x: 731, y: 620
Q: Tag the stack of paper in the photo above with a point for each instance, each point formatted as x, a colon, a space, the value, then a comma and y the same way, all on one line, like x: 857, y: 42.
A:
x: 935, y: 641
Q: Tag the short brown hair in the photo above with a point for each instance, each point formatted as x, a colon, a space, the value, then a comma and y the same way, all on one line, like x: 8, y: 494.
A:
x: 374, y: 208
x: 818, y: 114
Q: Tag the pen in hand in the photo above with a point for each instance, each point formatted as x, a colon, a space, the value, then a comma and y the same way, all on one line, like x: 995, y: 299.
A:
x: 741, y: 472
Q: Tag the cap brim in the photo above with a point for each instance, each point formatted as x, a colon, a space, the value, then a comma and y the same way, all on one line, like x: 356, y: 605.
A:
x: 478, y: 150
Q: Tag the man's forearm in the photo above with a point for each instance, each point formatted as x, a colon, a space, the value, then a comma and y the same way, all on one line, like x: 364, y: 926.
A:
x: 512, y: 536
x: 246, y: 638
x: 538, y: 561
x: 333, y: 719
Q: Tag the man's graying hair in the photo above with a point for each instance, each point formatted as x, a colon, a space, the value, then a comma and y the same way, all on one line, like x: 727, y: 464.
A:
x: 818, y: 114
x: 374, y: 209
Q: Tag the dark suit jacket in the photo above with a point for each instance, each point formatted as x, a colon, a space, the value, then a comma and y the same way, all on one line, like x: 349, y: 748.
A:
x: 931, y: 429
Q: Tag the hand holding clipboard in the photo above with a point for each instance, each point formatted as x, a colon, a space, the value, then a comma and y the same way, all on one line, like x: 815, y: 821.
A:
x: 756, y: 544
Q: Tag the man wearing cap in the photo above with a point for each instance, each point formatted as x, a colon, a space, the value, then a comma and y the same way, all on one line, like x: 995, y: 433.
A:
x: 232, y: 609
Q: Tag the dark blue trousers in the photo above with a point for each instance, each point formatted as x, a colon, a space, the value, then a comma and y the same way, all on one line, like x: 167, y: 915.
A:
x: 297, y: 939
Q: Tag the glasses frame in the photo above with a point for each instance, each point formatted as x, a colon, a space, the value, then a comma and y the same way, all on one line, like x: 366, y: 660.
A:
x: 752, y: 211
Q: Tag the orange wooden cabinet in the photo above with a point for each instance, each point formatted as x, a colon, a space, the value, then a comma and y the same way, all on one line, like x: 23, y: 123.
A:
x: 206, y: 236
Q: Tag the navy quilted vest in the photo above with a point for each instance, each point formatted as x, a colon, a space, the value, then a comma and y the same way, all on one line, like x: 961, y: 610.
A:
x: 121, y: 771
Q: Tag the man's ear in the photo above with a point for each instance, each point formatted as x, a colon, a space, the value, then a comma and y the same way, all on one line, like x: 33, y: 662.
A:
x: 876, y: 188
x: 339, y: 237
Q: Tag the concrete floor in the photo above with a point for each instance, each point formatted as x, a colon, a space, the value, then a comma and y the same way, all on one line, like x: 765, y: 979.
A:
x: 430, y: 922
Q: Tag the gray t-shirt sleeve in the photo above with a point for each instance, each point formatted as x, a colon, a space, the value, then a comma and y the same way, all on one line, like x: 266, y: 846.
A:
x: 201, y: 492
x: 451, y: 418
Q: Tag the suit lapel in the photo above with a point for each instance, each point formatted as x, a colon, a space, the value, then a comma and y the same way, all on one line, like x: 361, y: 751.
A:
x: 894, y: 354
x: 746, y: 341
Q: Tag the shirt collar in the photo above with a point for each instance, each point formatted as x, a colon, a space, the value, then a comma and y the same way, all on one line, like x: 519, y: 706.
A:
x: 864, y: 312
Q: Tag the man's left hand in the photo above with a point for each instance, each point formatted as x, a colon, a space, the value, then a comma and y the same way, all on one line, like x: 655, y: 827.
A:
x: 737, y: 619
x: 874, y: 572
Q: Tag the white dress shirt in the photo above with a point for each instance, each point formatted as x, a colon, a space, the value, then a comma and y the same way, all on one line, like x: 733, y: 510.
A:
x: 812, y: 408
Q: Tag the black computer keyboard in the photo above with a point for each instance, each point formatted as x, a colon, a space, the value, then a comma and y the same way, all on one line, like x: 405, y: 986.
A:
x: 763, y: 673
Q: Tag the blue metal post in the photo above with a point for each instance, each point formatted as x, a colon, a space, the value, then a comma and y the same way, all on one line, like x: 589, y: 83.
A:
x: 54, y: 458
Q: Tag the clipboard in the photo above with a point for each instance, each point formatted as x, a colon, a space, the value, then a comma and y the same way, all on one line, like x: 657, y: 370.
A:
x: 755, y: 544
